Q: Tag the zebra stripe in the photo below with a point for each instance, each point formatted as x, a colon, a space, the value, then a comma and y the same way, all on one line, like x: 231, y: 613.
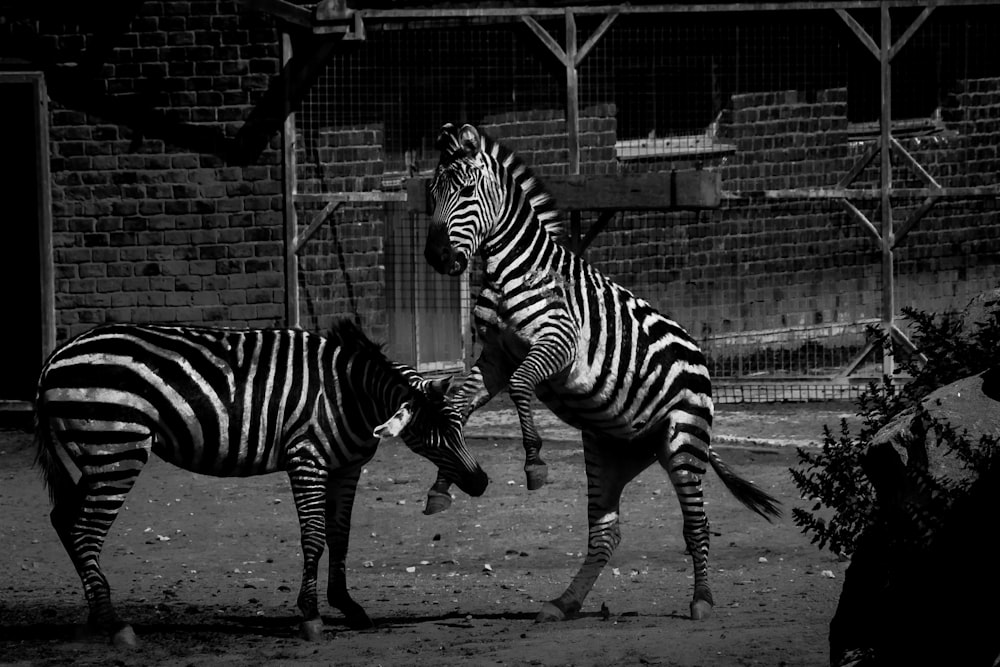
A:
x: 230, y: 403
x: 602, y: 359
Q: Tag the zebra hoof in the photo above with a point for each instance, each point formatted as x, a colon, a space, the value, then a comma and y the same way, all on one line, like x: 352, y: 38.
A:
x: 312, y: 630
x: 550, y: 613
x: 537, y: 476
x: 700, y: 610
x: 437, y: 502
x: 125, y: 638
x: 359, y: 622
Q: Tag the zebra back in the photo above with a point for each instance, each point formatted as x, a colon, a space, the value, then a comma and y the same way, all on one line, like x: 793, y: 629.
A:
x: 234, y: 402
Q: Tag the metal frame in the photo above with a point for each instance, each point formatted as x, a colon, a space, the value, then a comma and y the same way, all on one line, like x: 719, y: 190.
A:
x: 335, y: 16
x: 295, y: 241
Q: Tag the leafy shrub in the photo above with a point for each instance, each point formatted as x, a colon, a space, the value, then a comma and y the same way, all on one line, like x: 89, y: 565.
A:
x: 845, y: 500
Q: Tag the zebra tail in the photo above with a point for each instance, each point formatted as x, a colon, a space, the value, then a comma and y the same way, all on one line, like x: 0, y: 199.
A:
x: 748, y: 493
x: 57, y: 479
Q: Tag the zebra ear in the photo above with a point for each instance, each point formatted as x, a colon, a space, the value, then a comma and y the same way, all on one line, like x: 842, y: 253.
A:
x: 468, y: 138
x: 437, y: 390
x: 396, y: 423
x: 447, y: 141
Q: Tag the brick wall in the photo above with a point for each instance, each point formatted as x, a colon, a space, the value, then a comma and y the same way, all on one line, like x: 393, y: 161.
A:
x: 757, y: 266
x: 539, y: 138
x: 343, y: 265
x: 153, y: 219
x: 785, y: 141
x: 340, y: 159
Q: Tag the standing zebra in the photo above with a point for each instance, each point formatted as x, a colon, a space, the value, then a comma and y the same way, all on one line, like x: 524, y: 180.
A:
x: 602, y: 359
x: 232, y: 403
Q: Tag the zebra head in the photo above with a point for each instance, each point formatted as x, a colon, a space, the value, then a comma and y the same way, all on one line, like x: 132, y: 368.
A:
x: 468, y: 198
x: 430, y: 426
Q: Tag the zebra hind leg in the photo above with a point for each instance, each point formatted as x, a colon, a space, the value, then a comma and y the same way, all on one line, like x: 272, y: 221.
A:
x: 685, y: 465
x: 610, y: 467
x: 82, y: 515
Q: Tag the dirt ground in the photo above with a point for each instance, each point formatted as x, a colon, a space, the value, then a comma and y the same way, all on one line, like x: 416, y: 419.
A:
x: 207, y: 570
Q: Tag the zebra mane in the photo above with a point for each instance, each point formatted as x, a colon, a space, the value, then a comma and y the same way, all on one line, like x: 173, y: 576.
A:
x: 542, y: 203
x: 348, y: 333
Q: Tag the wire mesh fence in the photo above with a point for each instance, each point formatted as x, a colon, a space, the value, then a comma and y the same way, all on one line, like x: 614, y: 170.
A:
x: 777, y: 290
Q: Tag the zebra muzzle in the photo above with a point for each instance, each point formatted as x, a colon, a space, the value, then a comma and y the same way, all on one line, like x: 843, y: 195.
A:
x: 440, y: 254
x: 458, y: 264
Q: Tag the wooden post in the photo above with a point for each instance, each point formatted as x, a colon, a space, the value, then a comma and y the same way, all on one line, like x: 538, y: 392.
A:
x: 46, y: 259
x: 289, y: 178
x: 888, y: 281
x: 572, y: 96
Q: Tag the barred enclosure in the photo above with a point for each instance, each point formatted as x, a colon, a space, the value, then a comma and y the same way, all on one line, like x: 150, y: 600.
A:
x: 818, y: 243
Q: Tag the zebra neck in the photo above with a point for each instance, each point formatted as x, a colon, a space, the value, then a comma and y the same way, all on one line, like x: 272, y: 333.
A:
x: 520, y: 245
x: 356, y: 376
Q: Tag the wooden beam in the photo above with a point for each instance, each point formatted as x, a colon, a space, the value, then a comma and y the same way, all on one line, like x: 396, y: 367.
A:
x: 504, y: 9
x: 859, y: 165
x: 602, y: 221
x: 865, y: 194
x: 862, y: 220
x: 897, y: 335
x: 284, y: 95
x: 289, y: 180
x: 282, y: 9
x: 363, y: 197
x: 859, y: 31
x: 905, y: 37
x: 885, y: 182
x: 688, y: 189
x: 858, y: 359
x: 314, y: 224
x: 572, y: 96
x: 592, y: 40
x: 547, y: 39
x: 332, y: 10
x: 914, y: 166
x: 913, y: 219
x: 574, y: 231
x: 46, y: 260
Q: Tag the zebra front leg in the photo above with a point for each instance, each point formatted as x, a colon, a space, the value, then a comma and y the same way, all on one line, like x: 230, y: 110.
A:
x: 535, y: 469
x: 341, y: 490
x: 609, y: 470
x: 549, y: 355
x: 308, y: 481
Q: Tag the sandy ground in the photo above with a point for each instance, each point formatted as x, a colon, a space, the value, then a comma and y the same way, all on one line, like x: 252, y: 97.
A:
x: 207, y: 569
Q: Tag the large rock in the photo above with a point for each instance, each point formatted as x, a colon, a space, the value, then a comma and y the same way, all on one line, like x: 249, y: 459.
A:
x: 934, y: 603
x: 969, y: 405
x: 981, y: 308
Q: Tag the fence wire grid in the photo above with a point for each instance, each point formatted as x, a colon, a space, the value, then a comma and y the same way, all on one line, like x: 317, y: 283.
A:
x: 779, y: 292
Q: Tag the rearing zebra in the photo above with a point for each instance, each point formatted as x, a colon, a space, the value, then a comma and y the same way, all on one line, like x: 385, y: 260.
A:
x: 602, y: 359
x: 229, y: 403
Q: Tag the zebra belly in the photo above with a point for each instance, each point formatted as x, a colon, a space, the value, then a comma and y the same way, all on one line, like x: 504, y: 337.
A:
x: 632, y: 404
x: 591, y: 416
x: 101, y: 429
